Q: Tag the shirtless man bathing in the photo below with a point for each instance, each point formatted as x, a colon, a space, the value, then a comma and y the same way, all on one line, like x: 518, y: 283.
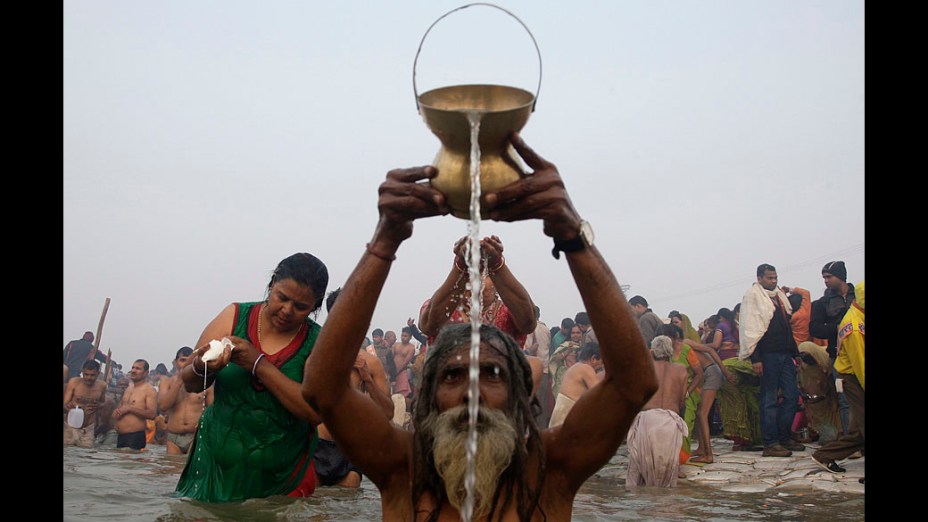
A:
x: 181, y: 408
x: 139, y: 404
x: 88, y: 393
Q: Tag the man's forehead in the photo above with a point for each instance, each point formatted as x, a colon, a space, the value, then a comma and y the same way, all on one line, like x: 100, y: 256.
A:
x: 488, y: 352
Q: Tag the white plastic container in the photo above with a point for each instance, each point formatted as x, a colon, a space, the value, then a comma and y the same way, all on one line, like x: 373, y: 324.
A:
x: 76, y: 417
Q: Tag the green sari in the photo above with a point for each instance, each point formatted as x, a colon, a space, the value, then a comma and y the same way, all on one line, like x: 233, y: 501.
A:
x: 739, y: 404
x: 248, y: 445
x: 558, y: 364
x: 691, y: 404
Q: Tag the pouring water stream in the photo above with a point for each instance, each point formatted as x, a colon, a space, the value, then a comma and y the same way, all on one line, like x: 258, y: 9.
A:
x: 472, y: 254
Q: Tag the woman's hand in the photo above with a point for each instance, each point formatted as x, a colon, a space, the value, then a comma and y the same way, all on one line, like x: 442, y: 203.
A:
x: 245, y: 354
x: 491, y: 252
x: 201, y: 367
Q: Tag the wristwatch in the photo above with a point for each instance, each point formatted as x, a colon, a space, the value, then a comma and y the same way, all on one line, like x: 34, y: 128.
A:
x: 584, y: 239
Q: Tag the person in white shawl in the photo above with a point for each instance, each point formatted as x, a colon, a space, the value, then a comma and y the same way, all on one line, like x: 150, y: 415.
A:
x: 767, y: 340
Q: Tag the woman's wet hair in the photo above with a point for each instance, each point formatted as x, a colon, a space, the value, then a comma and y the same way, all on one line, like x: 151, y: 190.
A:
x: 307, y: 270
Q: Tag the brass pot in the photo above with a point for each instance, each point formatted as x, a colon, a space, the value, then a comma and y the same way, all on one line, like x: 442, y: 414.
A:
x: 502, y: 110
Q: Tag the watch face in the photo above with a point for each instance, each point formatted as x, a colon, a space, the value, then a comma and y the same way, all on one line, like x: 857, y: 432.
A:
x: 586, y: 232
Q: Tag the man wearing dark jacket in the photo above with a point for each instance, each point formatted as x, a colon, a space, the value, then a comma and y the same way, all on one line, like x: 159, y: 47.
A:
x: 827, y: 312
x: 78, y: 351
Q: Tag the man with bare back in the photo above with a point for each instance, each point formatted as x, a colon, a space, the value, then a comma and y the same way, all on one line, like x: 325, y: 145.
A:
x: 368, y: 376
x: 139, y: 404
x: 657, y: 432
x: 578, y: 379
x: 88, y: 393
x: 182, y: 408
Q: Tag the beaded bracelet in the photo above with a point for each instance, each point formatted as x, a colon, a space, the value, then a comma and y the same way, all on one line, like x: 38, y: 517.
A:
x: 385, y: 257
x: 255, y: 367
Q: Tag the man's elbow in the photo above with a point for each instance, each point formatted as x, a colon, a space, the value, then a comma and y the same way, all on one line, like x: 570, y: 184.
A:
x: 319, y: 397
x: 310, y: 395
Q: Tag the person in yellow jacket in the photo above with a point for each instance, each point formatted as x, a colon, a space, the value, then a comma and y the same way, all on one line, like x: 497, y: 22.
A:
x: 849, y: 366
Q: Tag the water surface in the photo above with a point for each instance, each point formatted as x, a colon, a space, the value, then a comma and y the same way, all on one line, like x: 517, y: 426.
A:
x: 106, y: 484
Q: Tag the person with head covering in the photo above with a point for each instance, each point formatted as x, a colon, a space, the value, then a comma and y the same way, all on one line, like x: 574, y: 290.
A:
x: 739, y: 395
x: 577, y: 381
x: 849, y: 366
x: 684, y: 323
x: 564, y: 357
x: 714, y: 374
x: 520, y: 471
x: 258, y: 437
x: 817, y: 389
x: 657, y: 433
x: 827, y: 311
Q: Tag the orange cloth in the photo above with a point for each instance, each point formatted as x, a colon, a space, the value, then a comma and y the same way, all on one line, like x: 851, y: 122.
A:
x: 149, y: 430
x: 799, y: 321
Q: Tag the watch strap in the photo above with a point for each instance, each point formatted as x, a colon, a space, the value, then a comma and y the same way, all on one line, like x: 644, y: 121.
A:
x: 567, y: 245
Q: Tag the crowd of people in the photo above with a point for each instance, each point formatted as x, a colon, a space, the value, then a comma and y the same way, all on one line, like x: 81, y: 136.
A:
x: 278, y: 410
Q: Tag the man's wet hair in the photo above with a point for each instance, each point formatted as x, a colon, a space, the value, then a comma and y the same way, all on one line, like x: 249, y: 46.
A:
x: 670, y: 330
x: 330, y: 299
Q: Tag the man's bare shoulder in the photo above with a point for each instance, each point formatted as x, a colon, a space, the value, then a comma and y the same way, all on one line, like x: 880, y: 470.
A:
x: 146, y: 388
x: 368, y: 357
x: 678, y: 372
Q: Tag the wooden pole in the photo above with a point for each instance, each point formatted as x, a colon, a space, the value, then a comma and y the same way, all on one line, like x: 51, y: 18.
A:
x: 106, y: 368
x: 96, y: 341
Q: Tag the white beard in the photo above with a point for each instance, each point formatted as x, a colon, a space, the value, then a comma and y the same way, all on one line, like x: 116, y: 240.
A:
x: 496, y: 443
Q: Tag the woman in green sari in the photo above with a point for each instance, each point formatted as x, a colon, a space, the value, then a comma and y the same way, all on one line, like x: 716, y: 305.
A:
x: 564, y: 357
x: 258, y: 437
x: 739, y: 396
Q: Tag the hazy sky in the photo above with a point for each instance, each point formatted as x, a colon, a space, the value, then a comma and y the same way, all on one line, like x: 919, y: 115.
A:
x: 205, y: 141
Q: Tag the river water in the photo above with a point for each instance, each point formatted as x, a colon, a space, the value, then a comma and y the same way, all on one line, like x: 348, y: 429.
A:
x: 106, y: 484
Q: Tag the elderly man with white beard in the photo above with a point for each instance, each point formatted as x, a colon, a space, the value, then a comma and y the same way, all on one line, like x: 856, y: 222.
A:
x: 521, y: 472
